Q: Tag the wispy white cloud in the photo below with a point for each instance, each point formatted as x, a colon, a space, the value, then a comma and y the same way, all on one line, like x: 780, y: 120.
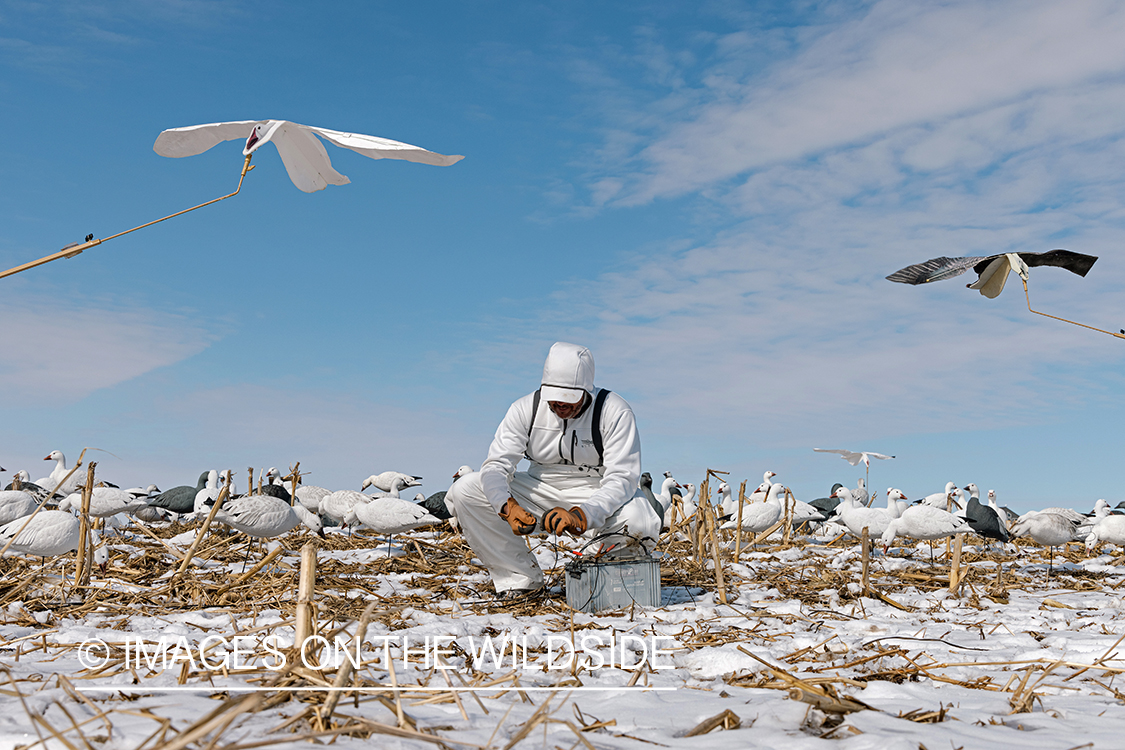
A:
x: 896, y: 65
x: 63, y: 350
x: 888, y: 138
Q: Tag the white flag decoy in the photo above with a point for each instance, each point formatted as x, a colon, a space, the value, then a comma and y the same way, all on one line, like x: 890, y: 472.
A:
x: 992, y: 270
x: 305, y: 158
x: 853, y: 457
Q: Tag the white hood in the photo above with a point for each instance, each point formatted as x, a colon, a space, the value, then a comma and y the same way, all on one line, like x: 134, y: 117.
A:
x: 567, y: 373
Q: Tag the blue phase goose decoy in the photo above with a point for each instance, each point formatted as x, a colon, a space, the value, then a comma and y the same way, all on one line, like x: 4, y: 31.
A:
x: 983, y: 519
x: 180, y: 500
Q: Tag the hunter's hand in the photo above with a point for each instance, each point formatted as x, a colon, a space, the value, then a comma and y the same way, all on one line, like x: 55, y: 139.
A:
x: 558, y: 520
x: 522, y: 522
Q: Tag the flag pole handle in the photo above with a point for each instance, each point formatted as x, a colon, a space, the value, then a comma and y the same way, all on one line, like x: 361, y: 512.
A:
x: 72, y: 250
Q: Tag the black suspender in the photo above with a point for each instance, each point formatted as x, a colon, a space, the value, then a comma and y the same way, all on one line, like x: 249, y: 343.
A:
x: 595, y: 421
x: 531, y: 425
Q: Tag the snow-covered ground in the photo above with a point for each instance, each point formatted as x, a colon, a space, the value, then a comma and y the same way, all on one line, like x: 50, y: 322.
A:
x: 1016, y: 662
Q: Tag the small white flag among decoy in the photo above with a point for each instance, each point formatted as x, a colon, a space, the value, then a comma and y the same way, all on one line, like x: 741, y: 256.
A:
x: 301, y: 151
x: 853, y: 457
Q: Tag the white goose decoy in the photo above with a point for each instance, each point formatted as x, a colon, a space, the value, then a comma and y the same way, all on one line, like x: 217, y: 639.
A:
x: 207, y: 496
x: 728, y: 506
x: 860, y: 493
x: 666, y: 499
x: 900, y: 500
x: 687, y: 499
x: 387, y: 482
x: 338, y: 504
x: 941, y: 500
x: 390, y: 515
x: 52, y: 481
x: 49, y: 533
x: 304, y: 156
x: 923, y: 522
x: 1108, y: 529
x: 759, y: 495
x: 1048, y: 529
x: 757, y: 517
x: 148, y: 512
x: 310, y: 496
x: 104, y: 502
x: 804, y: 513
x: 450, y: 506
x: 858, y: 517
x: 146, y: 492
x: 800, y: 511
x: 264, y: 516
x: 1068, y: 513
x: 16, y: 504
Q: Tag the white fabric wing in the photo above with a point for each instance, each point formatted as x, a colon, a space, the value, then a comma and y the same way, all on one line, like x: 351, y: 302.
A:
x: 851, y: 457
x: 374, y: 147
x: 305, y: 158
x: 195, y: 139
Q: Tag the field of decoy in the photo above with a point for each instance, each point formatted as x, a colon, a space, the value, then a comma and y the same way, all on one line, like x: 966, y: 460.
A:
x: 186, y: 635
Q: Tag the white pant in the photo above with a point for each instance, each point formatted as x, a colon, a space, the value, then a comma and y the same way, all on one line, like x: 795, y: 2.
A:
x: 506, y: 555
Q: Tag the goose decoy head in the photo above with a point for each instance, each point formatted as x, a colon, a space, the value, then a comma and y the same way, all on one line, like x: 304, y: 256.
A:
x: 255, y: 139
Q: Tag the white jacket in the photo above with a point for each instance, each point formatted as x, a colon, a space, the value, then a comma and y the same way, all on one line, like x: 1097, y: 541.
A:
x: 562, y: 452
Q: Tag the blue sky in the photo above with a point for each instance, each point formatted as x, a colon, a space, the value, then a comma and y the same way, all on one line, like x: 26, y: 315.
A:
x: 707, y: 195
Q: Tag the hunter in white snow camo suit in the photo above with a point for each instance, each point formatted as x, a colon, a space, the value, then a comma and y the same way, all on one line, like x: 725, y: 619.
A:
x: 594, y: 496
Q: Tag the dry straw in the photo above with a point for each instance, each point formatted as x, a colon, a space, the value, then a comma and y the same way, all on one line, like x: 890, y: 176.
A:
x: 320, y: 594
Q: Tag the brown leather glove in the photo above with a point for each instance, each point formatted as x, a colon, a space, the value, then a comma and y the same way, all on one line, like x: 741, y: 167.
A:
x: 522, y: 522
x: 558, y: 520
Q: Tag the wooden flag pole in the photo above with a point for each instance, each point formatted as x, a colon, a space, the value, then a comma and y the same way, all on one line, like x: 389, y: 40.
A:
x: 71, y: 250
